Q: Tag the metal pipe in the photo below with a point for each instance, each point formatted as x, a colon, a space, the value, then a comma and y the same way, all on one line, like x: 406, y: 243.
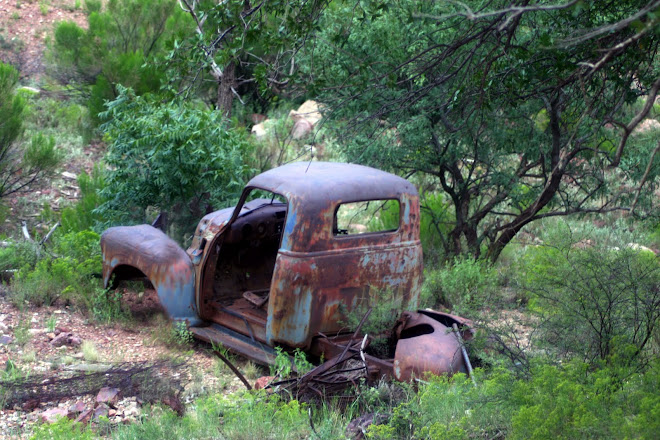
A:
x: 465, y: 354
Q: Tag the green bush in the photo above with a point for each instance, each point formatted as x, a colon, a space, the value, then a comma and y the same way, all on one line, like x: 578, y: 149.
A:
x: 68, y: 278
x: 117, y: 47
x: 170, y: 156
x: 21, y: 254
x: 570, y: 402
x: 462, y: 285
x: 599, y: 300
x: 82, y: 215
x: 22, y: 164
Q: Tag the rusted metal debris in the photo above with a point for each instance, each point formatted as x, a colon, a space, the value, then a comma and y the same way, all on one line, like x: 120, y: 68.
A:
x: 279, y: 270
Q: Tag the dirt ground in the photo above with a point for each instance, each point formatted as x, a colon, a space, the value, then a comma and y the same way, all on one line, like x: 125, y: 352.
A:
x: 26, y: 25
x: 28, y: 342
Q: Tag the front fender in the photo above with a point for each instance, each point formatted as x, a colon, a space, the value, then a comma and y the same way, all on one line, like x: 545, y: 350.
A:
x: 160, y: 259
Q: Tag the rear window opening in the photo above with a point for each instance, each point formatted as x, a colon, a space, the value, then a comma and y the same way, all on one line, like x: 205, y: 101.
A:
x: 366, y: 217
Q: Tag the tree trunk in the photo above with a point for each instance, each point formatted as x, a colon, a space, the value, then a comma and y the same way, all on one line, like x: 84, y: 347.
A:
x: 225, y: 96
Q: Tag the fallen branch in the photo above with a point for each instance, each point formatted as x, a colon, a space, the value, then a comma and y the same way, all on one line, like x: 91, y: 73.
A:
x: 233, y: 368
x: 47, y: 237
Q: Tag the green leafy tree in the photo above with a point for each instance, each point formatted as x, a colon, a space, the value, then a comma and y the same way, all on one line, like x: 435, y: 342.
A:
x: 170, y: 156
x: 120, y: 46
x: 516, y: 111
x: 247, y: 49
x: 23, y: 163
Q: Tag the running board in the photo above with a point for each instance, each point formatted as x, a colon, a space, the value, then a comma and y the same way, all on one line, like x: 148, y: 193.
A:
x: 236, y: 342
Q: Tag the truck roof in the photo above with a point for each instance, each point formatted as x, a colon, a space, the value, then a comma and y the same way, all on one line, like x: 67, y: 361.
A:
x: 325, y: 181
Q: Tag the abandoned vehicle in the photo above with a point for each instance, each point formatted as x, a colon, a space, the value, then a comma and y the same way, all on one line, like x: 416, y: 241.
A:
x: 291, y: 263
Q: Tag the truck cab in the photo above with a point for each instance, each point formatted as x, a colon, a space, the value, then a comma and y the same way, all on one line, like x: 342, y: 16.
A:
x: 308, y: 245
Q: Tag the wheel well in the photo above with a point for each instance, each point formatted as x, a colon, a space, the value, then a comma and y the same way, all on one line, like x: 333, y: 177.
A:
x: 124, y: 272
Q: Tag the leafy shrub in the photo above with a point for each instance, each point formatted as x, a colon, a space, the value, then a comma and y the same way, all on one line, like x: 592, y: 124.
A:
x: 22, y: 164
x: 569, y: 402
x: 462, y: 285
x: 171, y: 157
x: 83, y: 215
x: 115, y: 48
x: 181, y: 334
x: 63, y: 429
x: 595, y: 300
x: 69, y: 278
x: 21, y: 254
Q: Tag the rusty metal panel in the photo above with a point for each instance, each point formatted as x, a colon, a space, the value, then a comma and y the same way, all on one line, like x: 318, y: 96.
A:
x: 312, y: 293
x: 148, y: 250
x: 427, y: 345
x: 315, y: 189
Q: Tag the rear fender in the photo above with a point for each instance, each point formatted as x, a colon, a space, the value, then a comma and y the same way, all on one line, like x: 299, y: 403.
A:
x: 129, y: 249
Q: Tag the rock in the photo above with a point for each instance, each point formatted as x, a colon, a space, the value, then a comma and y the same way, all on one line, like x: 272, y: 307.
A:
x: 85, y: 416
x: 36, y: 331
x: 358, y: 427
x: 4, y: 340
x: 75, y: 341
x: 175, y: 403
x: 112, y: 412
x: 65, y: 339
x: 89, y: 367
x: 51, y: 415
x: 31, y: 405
x: 101, y: 411
x: 301, y: 129
x: 641, y: 248
x: 132, y: 411
x: 68, y: 175
x: 262, y: 382
x: 308, y: 111
x: 259, y: 130
x: 77, y: 407
x: 60, y: 340
x: 108, y: 395
x: 30, y: 89
x: 51, y: 336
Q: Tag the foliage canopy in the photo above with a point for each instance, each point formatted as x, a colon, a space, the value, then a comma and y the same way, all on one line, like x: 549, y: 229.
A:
x: 516, y: 112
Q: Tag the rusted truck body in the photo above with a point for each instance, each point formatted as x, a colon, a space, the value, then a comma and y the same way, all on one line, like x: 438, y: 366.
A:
x: 286, y: 267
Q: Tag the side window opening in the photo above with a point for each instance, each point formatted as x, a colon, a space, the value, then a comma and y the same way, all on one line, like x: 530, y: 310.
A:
x: 365, y: 217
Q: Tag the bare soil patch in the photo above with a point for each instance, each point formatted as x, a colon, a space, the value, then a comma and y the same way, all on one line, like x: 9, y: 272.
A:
x: 25, y: 27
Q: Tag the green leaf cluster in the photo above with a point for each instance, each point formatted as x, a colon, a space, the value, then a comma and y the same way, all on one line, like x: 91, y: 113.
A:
x: 22, y: 163
x: 170, y: 156
x: 119, y: 46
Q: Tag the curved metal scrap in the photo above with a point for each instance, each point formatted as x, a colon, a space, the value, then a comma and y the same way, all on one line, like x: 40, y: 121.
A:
x: 160, y: 259
x: 426, y: 345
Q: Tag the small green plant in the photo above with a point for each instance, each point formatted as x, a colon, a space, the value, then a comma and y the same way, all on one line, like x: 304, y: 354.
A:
x: 22, y: 332
x: 51, y: 323
x: 106, y: 306
x: 283, y: 365
x: 43, y: 8
x: 89, y: 351
x: 15, y: 16
x: 301, y: 363
x: 251, y: 370
x: 29, y: 357
x: 63, y: 429
x: 181, y: 334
